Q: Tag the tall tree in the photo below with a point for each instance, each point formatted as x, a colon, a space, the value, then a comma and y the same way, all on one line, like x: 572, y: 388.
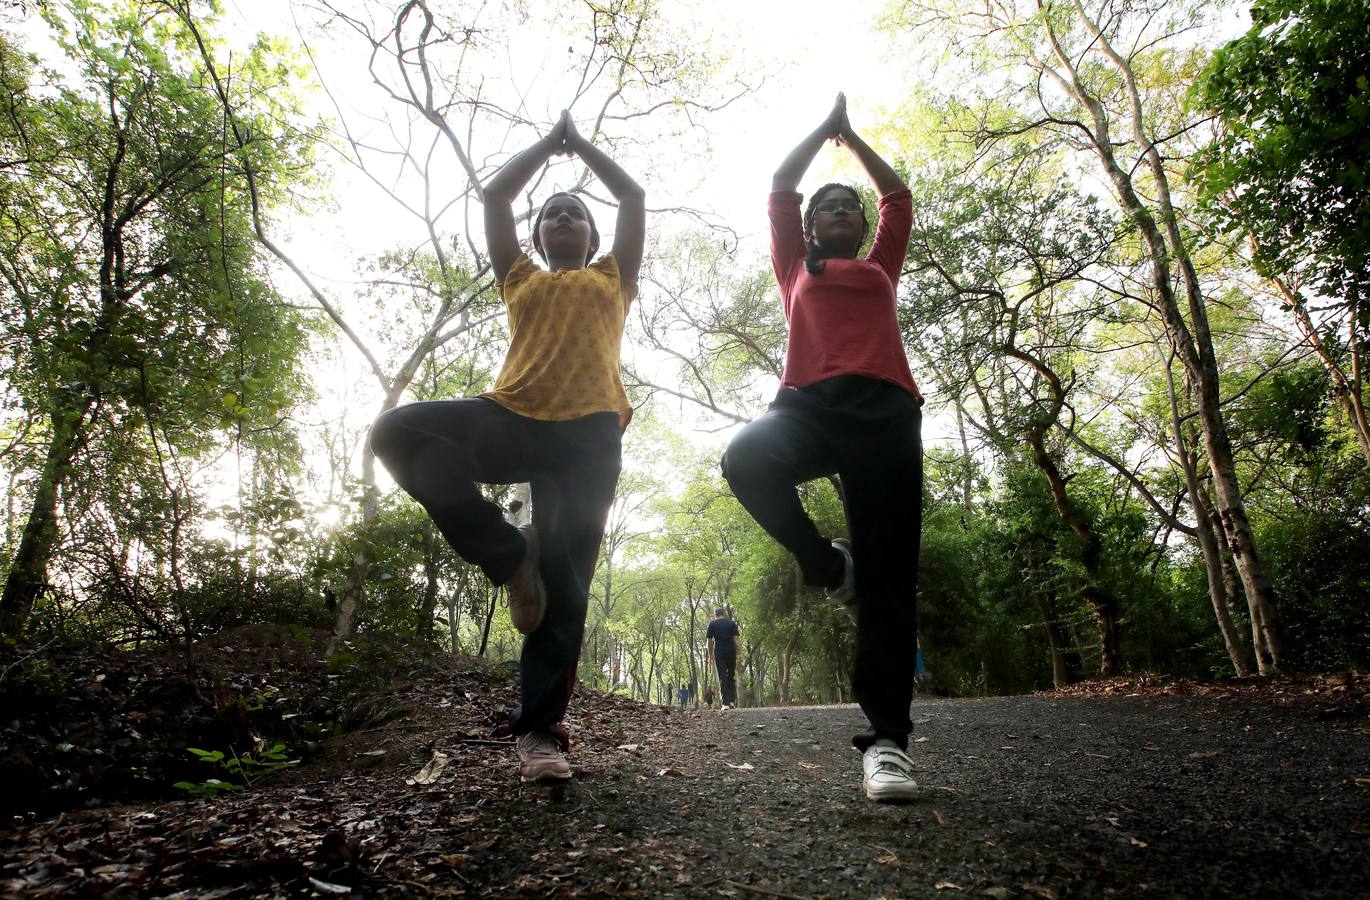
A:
x: 1095, y: 81
x: 1288, y: 172
x: 1002, y: 316
x: 125, y: 264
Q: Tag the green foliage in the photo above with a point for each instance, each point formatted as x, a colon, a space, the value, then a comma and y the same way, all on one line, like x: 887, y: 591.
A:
x: 141, y: 337
x: 243, y: 769
x: 1289, y: 166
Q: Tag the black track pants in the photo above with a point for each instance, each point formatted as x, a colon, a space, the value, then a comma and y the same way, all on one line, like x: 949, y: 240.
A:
x: 439, y: 450
x: 866, y: 432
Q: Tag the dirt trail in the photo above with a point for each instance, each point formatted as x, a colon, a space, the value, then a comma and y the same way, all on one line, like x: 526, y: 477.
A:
x: 1043, y: 796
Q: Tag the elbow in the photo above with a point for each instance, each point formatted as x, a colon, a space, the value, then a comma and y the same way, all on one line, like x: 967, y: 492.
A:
x: 633, y: 195
x: 492, y: 193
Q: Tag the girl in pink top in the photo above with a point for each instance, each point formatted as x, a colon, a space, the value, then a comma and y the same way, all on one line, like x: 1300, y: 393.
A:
x: 848, y: 406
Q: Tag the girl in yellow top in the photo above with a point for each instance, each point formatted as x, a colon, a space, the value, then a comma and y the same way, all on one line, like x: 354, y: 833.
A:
x: 555, y: 419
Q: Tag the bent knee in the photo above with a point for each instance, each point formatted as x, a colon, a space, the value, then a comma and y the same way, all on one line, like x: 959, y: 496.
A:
x: 388, y: 432
x: 745, y: 459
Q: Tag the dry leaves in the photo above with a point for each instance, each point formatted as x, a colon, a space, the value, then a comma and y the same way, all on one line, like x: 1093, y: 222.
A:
x: 430, y: 772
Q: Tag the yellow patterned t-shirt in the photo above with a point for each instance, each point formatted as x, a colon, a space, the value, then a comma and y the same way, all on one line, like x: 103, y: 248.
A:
x: 565, y: 331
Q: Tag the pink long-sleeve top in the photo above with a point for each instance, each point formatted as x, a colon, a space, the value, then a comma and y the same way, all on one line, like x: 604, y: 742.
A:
x: 842, y: 320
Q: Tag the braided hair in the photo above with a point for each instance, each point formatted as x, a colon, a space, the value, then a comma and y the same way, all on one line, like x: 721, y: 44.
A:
x: 816, y: 261
x: 589, y: 217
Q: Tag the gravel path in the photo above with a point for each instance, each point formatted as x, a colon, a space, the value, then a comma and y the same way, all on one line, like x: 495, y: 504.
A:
x: 1050, y: 796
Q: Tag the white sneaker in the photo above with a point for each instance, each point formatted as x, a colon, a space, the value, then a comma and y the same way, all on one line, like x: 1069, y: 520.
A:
x: 845, y: 593
x: 888, y: 774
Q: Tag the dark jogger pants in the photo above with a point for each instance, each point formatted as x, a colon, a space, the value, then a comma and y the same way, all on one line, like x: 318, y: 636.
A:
x: 866, y: 432
x: 439, y: 450
x: 726, y: 664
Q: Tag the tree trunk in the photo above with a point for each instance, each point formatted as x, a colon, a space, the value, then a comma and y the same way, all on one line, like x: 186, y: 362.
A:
x: 1065, y: 667
x: 27, y: 578
x: 1221, y: 589
x: 967, y: 481
x: 1099, y: 599
x: 354, y: 595
x: 428, y: 605
x: 1218, y: 587
x: 493, y: 593
x: 786, y: 659
x: 694, y: 670
x: 1164, y: 242
x: 1347, y: 391
x: 454, y: 622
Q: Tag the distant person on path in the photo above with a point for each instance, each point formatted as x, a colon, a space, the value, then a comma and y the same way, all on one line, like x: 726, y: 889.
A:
x: 555, y: 418
x: 708, y: 698
x: 847, y: 405
x: 725, y: 643
x: 684, y: 696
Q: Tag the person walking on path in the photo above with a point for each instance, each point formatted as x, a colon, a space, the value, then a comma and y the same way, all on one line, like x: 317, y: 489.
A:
x: 683, y: 696
x: 725, y: 644
x: 554, y: 418
x: 847, y: 405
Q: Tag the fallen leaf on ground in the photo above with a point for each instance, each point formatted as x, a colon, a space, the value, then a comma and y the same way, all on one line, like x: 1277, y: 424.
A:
x: 1204, y: 754
x: 429, y: 773
x: 328, y: 887
x: 947, y: 886
x: 805, y: 765
x: 746, y: 767
x: 671, y: 772
x: 1363, y: 781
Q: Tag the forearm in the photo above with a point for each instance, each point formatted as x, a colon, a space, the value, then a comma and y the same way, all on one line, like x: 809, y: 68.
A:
x: 881, y: 173
x: 610, y: 173
x: 792, y: 169
x: 505, y: 184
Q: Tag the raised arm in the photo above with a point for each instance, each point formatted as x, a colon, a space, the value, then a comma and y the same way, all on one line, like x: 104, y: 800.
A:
x: 501, y: 237
x: 881, y: 174
x: 630, y: 229
x: 791, y: 171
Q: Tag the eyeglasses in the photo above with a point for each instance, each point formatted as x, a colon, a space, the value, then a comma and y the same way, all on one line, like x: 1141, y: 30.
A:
x: 843, y: 205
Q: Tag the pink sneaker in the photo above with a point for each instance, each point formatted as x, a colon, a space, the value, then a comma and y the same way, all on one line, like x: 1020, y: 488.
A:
x: 527, y: 594
x: 541, y: 759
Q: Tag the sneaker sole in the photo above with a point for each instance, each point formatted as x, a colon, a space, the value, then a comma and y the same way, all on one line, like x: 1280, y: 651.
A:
x: 545, y: 778
x: 902, y: 795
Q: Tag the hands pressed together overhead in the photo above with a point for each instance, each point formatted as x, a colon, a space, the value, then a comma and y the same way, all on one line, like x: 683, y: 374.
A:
x: 564, y: 139
x: 837, y: 127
